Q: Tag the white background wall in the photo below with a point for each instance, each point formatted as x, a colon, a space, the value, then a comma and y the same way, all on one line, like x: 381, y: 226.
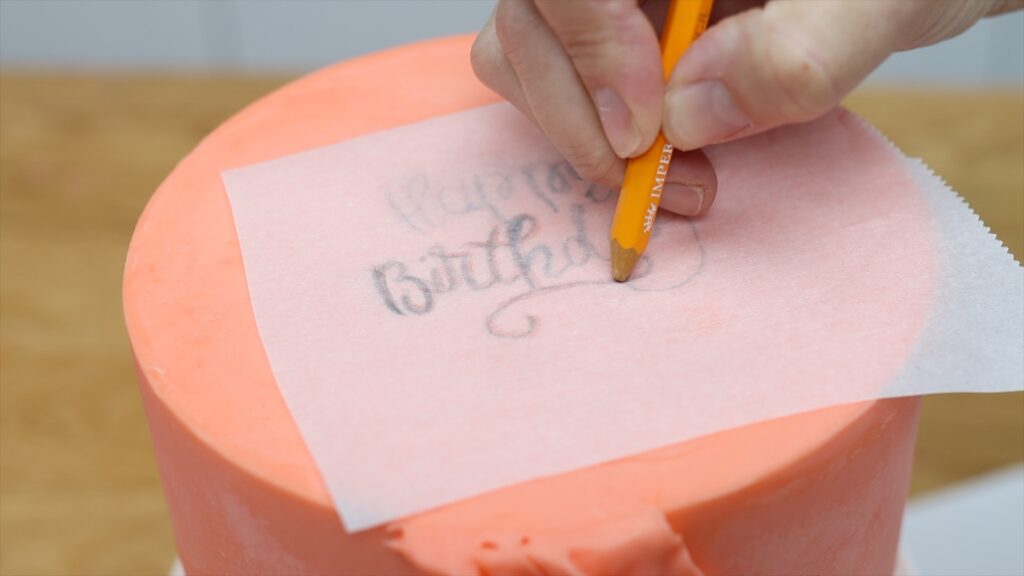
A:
x: 301, y: 35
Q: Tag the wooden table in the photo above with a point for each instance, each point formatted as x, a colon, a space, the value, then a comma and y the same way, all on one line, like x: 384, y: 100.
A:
x: 79, y: 157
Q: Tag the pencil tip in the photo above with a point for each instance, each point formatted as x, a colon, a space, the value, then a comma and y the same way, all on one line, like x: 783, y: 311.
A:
x: 623, y: 261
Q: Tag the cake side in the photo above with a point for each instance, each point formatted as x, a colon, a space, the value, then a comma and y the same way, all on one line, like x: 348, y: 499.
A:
x: 834, y: 510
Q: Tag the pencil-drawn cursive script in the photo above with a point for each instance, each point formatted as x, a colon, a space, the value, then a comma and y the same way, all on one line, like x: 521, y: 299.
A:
x: 519, y: 253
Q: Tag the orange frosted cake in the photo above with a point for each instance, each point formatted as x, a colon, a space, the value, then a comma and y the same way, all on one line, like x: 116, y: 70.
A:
x: 817, y: 493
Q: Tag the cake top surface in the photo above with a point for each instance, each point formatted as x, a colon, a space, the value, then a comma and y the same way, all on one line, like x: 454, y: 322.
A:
x: 195, y: 339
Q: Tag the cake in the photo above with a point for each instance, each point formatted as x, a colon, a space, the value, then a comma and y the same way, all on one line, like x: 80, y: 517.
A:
x: 815, y: 493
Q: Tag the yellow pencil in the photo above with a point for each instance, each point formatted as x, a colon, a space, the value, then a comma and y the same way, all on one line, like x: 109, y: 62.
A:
x: 645, y: 174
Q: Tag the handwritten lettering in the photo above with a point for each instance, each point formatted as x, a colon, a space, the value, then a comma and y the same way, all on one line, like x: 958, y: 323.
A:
x: 517, y: 254
x: 426, y: 204
x: 507, y: 257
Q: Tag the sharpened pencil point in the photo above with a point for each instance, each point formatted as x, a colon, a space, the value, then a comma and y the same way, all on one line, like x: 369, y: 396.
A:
x: 623, y: 261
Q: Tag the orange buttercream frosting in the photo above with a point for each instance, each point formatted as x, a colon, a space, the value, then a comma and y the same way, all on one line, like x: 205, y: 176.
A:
x: 818, y: 493
x: 641, y: 543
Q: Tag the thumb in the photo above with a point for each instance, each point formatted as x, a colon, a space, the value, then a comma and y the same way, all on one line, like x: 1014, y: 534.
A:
x: 791, y: 62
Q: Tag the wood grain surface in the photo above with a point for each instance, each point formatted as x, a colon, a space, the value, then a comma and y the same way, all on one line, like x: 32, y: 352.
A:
x: 79, y: 157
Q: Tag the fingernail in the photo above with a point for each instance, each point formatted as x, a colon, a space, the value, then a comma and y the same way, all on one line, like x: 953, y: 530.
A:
x: 703, y: 113
x: 684, y: 199
x: 617, y: 121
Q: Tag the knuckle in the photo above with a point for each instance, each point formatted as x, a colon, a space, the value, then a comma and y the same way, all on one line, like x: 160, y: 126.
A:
x: 592, y: 31
x: 807, y: 88
x: 589, y: 43
x: 591, y: 49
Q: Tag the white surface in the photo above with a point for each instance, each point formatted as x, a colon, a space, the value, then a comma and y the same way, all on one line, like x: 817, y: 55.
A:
x: 974, y: 529
x: 302, y: 35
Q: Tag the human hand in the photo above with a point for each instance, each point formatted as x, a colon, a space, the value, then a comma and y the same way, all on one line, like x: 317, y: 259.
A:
x: 589, y: 72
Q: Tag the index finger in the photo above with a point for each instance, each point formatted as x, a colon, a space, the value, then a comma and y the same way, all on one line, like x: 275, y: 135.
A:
x: 614, y: 49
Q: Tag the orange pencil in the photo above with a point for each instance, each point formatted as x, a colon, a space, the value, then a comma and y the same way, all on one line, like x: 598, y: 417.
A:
x: 645, y: 174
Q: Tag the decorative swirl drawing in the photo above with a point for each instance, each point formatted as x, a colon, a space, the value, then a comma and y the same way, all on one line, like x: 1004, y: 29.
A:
x: 515, y: 255
x: 498, y: 325
x: 493, y: 318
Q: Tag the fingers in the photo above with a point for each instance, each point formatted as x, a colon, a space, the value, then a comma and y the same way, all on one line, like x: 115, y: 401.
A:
x: 531, y: 78
x: 788, y: 62
x: 614, y: 50
x: 588, y: 73
x: 794, y: 60
x: 691, y: 185
x: 556, y: 97
x: 494, y: 70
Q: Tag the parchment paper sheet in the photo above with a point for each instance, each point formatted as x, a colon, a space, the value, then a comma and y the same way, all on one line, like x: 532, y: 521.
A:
x: 436, y: 303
